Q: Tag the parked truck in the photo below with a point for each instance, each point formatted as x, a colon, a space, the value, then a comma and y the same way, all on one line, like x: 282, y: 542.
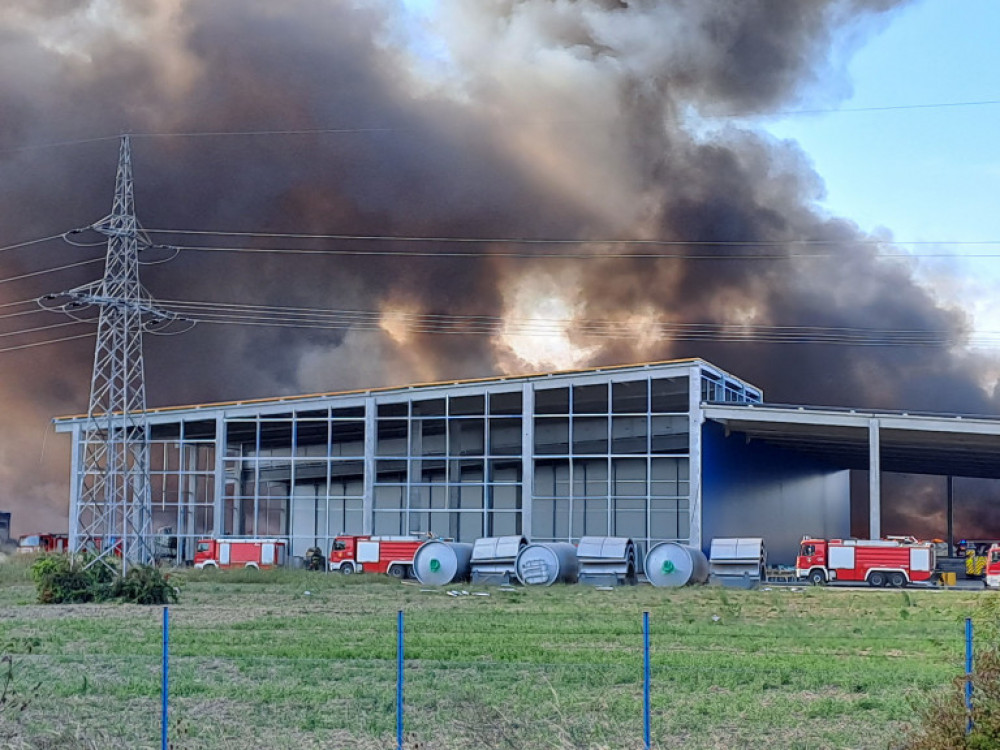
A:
x: 993, y: 566
x: 237, y: 552
x: 29, y: 543
x: 392, y: 555
x: 877, y: 562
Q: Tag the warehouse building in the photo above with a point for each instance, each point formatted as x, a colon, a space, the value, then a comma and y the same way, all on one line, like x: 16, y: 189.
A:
x: 671, y: 451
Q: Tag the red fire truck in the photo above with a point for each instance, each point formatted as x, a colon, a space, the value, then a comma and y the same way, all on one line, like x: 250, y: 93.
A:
x: 375, y: 554
x: 236, y: 552
x: 993, y: 566
x: 43, y: 543
x: 879, y: 562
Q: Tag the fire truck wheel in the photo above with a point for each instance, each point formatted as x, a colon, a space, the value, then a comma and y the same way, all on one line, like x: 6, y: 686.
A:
x: 817, y: 578
x: 876, y: 579
x: 897, y: 580
x: 346, y: 569
x: 397, y: 571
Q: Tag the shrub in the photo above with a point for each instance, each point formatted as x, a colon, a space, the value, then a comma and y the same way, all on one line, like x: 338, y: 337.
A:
x: 61, y: 579
x: 144, y: 584
x: 944, y: 719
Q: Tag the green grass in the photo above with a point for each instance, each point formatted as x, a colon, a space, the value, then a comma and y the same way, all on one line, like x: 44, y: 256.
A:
x: 255, y: 661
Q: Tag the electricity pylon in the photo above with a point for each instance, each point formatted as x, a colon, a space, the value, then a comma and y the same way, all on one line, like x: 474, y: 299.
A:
x: 111, y: 512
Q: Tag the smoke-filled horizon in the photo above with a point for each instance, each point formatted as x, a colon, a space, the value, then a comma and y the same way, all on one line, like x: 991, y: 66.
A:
x: 580, y: 120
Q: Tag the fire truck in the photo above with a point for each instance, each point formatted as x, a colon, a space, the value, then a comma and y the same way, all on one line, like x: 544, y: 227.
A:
x: 375, y: 554
x: 879, y: 562
x: 236, y: 552
x: 30, y: 543
x: 993, y: 566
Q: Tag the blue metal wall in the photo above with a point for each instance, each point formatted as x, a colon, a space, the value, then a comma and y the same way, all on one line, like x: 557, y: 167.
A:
x: 756, y: 490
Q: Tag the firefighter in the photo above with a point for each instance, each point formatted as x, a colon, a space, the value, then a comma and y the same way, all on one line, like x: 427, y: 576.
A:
x: 314, y: 558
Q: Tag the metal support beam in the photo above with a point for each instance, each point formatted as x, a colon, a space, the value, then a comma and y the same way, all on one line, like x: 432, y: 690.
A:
x: 527, y: 457
x: 874, y: 481
x: 219, y: 509
x: 695, y: 420
x: 368, y: 498
x: 951, y: 516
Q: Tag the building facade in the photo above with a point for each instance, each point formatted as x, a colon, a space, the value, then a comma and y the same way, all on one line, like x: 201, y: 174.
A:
x: 608, y: 452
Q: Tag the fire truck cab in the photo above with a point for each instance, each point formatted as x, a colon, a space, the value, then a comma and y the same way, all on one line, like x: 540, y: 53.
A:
x: 392, y: 555
x: 879, y: 562
x: 993, y: 566
x: 234, y: 552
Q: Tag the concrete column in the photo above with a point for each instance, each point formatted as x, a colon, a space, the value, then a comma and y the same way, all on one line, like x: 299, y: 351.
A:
x: 220, y: 476
x: 951, y: 516
x: 368, y: 500
x: 695, y: 469
x: 874, y: 481
x: 527, y: 457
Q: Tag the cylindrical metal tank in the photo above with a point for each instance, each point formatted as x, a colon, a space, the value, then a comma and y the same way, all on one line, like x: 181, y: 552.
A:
x: 542, y: 564
x: 437, y: 563
x: 493, y: 558
x: 672, y: 564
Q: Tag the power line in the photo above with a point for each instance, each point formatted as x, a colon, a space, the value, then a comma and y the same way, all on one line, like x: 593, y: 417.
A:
x: 33, y: 300
x: 21, y: 314
x: 877, y: 108
x: 492, y: 325
x: 41, y: 328
x: 50, y: 270
x: 47, y: 342
x: 58, y: 144
x: 571, y: 241
x: 192, y: 305
x: 393, y: 129
x: 250, y: 133
x: 30, y: 242
x: 265, y: 316
x: 559, y: 255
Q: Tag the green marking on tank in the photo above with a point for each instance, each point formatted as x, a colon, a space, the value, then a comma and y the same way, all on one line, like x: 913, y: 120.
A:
x: 668, y: 567
x: 435, y: 565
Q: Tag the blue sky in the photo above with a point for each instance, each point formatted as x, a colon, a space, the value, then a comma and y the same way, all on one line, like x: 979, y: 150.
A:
x: 926, y: 174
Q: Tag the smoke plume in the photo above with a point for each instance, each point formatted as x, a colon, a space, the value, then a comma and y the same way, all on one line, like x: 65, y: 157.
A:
x: 586, y: 120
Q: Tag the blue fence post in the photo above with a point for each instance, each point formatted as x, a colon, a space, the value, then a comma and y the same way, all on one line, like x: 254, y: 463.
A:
x: 164, y: 693
x: 399, y: 681
x: 968, y: 673
x: 646, y: 734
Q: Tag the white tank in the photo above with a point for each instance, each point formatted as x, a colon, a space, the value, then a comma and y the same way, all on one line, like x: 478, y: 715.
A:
x: 438, y: 563
x: 670, y: 564
x: 493, y: 559
x: 542, y: 564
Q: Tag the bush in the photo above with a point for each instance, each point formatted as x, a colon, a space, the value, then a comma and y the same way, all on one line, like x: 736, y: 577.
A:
x: 144, y: 584
x: 61, y: 579
x: 944, y: 719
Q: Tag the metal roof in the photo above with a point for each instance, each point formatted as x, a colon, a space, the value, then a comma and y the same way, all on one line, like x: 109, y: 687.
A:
x: 390, y: 390
x: 914, y: 443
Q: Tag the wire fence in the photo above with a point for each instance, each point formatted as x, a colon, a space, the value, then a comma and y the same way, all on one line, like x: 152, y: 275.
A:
x: 384, y: 679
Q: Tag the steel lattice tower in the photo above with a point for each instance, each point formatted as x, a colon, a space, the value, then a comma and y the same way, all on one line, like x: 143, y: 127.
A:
x: 113, y: 507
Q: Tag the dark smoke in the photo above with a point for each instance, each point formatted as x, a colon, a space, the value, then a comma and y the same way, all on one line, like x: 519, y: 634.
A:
x: 530, y: 118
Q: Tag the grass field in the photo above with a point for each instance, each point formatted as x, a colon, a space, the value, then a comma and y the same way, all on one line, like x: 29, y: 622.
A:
x: 256, y: 661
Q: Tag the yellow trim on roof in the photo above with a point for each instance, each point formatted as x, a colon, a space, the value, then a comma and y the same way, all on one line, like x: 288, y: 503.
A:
x: 382, y: 389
